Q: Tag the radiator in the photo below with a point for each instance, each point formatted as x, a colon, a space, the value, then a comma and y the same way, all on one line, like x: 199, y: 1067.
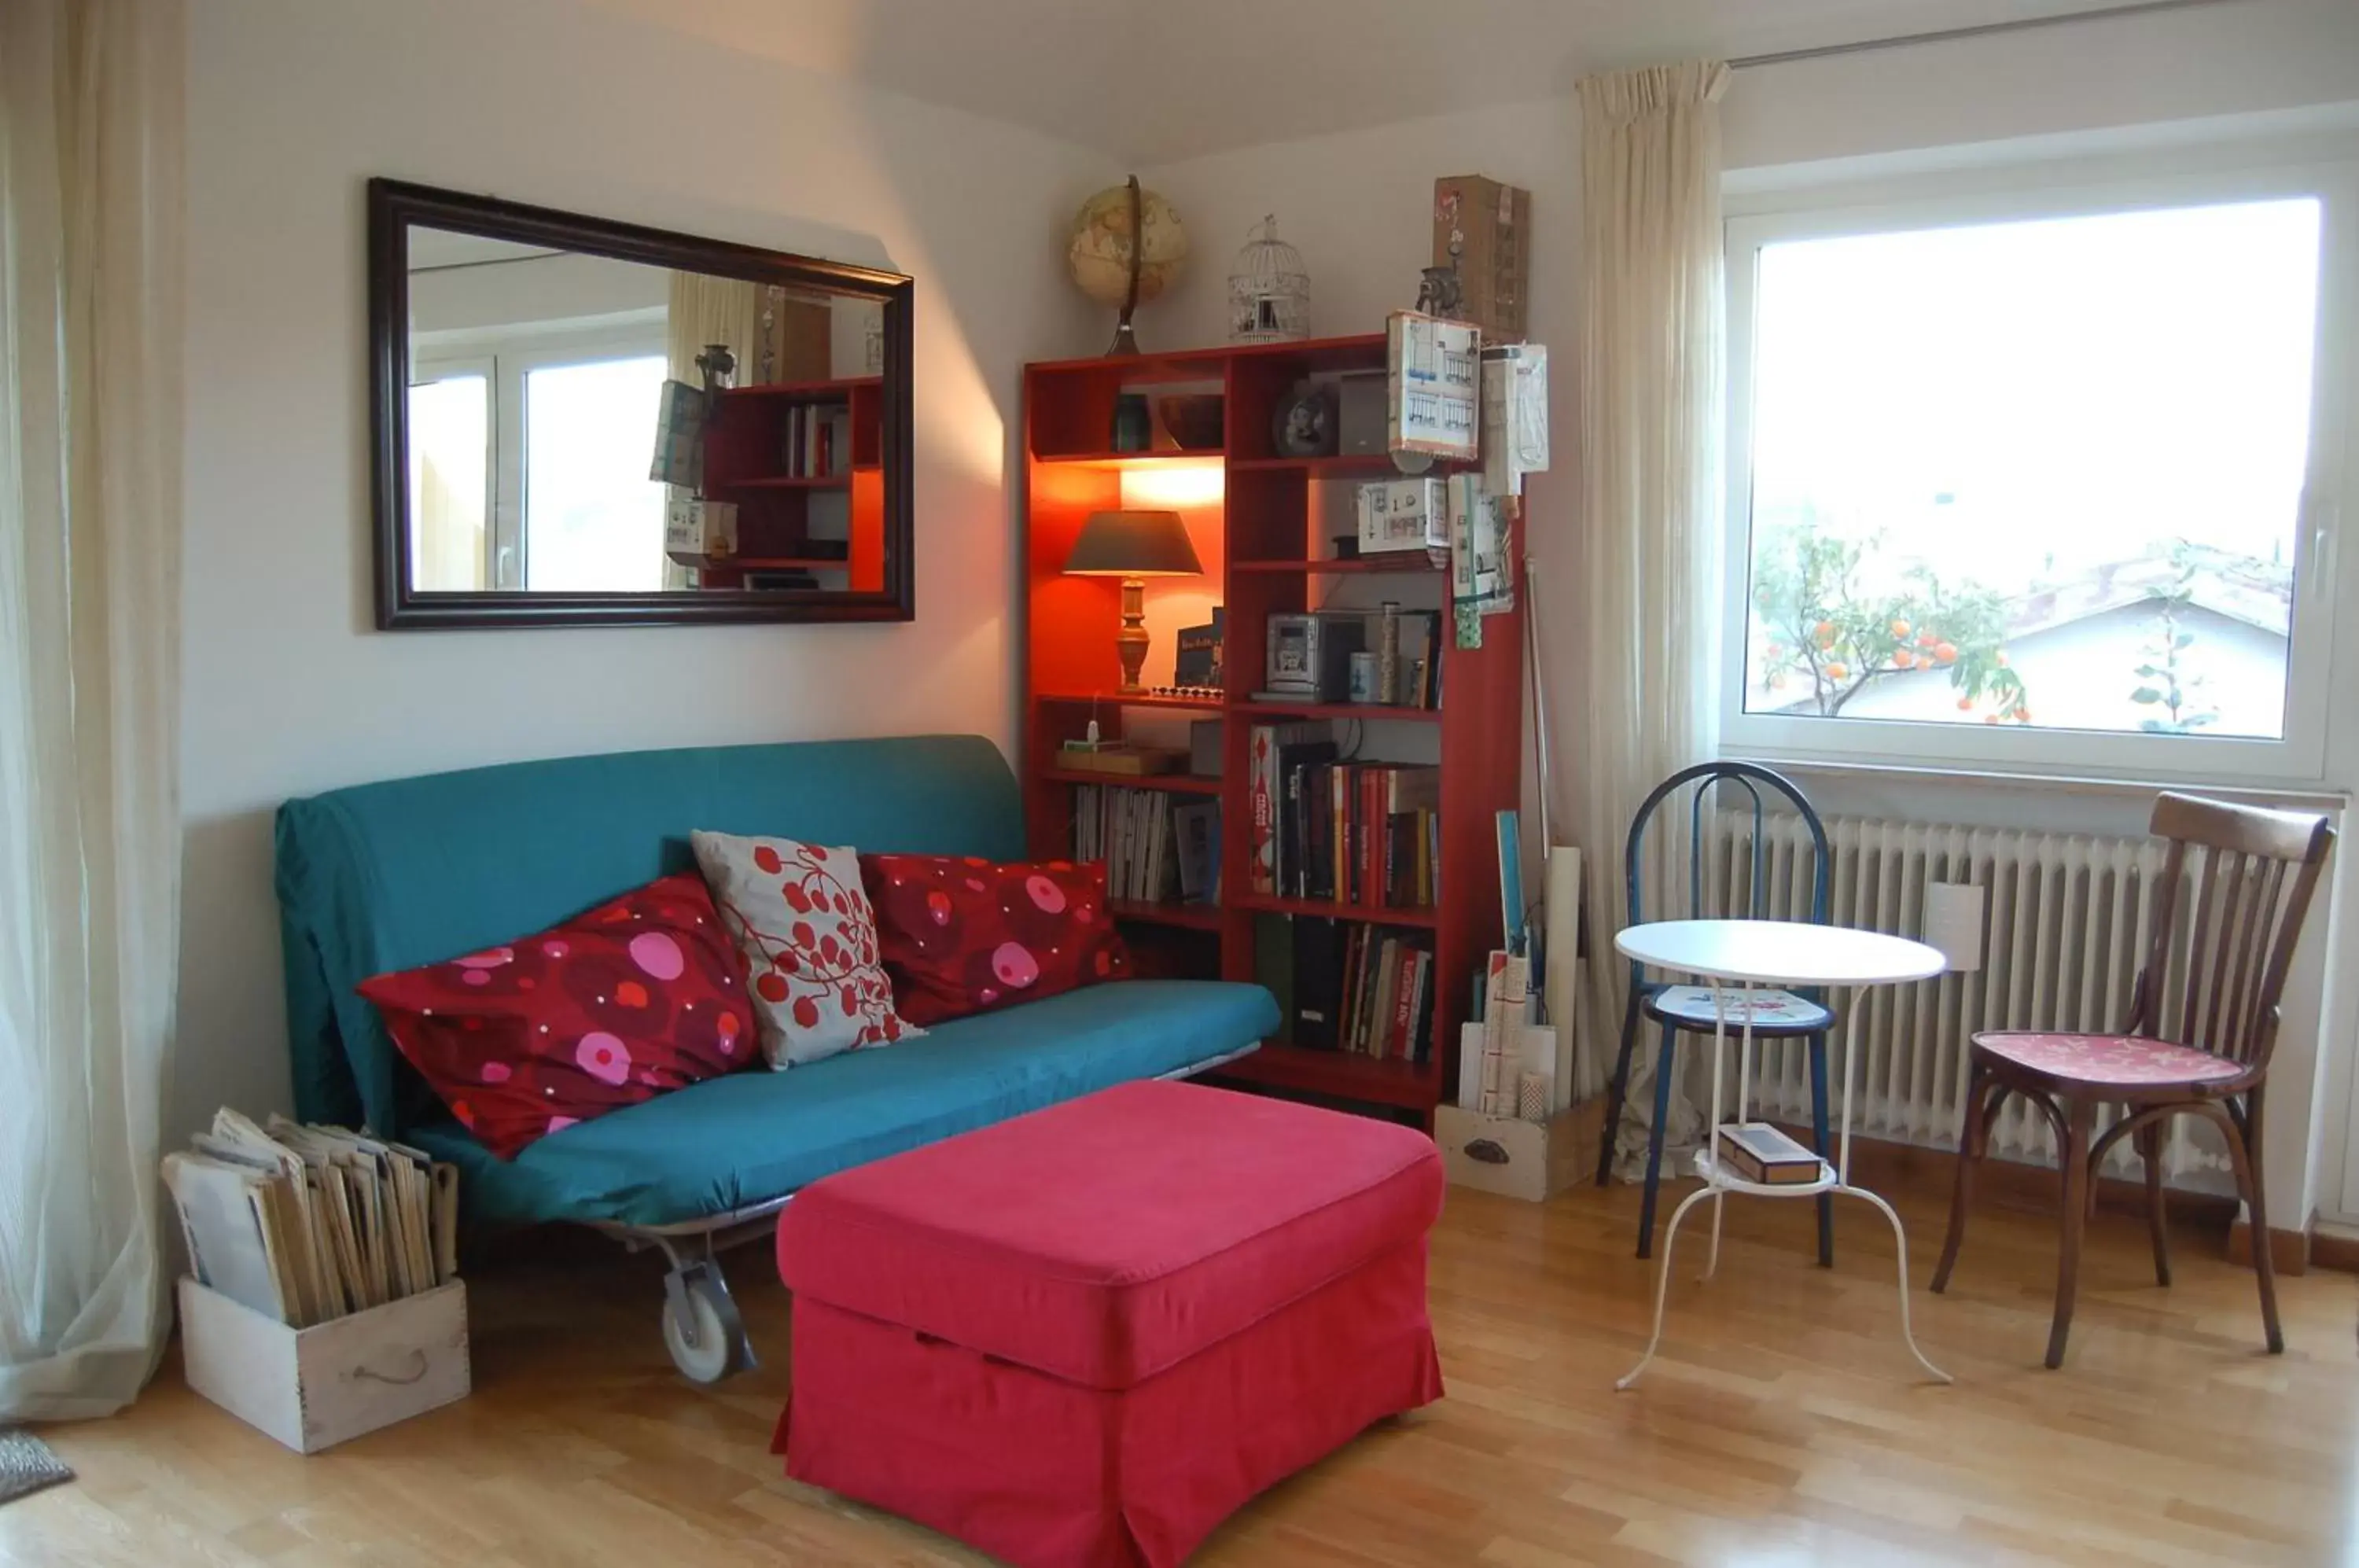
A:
x: 2067, y: 921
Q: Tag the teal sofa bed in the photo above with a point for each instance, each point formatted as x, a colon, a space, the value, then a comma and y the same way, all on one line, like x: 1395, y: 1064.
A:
x: 389, y: 876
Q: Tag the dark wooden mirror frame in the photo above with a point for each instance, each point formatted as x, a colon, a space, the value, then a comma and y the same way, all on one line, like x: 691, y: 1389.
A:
x: 395, y: 205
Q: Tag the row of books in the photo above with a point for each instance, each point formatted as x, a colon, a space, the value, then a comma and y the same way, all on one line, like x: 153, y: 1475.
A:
x: 1356, y: 987
x: 306, y: 1224
x: 1155, y: 848
x: 1367, y: 833
x: 819, y: 440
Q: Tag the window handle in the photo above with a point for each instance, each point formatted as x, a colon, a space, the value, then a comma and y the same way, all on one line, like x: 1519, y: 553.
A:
x: 2323, y: 519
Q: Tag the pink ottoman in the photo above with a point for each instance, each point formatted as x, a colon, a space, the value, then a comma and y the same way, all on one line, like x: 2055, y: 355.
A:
x: 1087, y: 1335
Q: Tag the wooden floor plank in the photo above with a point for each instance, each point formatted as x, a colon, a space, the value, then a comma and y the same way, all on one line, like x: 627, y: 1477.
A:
x: 1781, y: 1424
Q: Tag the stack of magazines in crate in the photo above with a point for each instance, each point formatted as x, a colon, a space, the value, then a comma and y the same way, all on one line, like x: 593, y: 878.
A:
x: 307, y: 1223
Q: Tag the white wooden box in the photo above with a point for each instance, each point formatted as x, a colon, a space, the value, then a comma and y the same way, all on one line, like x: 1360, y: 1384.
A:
x: 1531, y: 1160
x: 313, y: 1388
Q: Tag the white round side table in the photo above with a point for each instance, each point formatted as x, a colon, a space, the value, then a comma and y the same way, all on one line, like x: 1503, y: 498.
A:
x: 1774, y: 952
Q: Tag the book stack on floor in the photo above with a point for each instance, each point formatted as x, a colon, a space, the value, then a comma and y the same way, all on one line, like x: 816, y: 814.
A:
x: 324, y: 1299
x: 1155, y: 849
x: 1360, y: 988
x: 306, y: 1224
x: 819, y: 440
x: 1366, y: 833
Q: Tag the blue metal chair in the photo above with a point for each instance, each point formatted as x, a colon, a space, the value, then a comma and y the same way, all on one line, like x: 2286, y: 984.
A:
x: 1687, y: 1009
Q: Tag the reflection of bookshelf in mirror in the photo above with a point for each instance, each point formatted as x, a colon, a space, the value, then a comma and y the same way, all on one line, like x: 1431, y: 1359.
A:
x: 1279, y: 518
x: 802, y: 463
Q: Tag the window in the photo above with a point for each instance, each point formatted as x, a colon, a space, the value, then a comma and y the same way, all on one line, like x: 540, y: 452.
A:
x: 2034, y: 482
x: 593, y: 521
x: 530, y: 457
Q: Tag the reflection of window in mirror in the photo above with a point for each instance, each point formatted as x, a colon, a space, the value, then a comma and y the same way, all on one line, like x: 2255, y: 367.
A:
x: 449, y: 479
x: 535, y: 375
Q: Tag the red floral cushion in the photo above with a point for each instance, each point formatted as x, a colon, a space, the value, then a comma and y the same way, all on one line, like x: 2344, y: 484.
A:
x: 633, y: 999
x: 2125, y: 1059
x: 962, y: 936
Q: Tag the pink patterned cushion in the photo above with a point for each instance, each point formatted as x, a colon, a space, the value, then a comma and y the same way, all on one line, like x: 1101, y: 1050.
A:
x: 2110, y: 1058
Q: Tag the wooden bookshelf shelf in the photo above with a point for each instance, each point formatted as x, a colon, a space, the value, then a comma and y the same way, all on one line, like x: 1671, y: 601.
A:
x: 1119, y: 460
x: 1169, y: 783
x: 1145, y: 700
x: 1366, y: 463
x: 786, y: 482
x: 1268, y: 560
x: 1340, y: 1074
x: 1189, y: 917
x: 783, y: 515
x: 1416, y: 919
x: 1392, y: 563
x: 1249, y: 708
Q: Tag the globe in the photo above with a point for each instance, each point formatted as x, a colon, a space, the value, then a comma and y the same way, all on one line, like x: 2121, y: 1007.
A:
x: 1098, y: 255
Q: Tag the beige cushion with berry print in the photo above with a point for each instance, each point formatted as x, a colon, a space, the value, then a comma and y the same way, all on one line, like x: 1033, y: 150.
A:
x: 805, y: 928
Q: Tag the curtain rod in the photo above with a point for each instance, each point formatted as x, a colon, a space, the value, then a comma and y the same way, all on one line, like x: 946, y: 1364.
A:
x: 1951, y: 35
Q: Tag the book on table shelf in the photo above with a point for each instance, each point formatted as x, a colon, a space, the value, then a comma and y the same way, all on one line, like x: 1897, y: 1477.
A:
x: 1764, y: 1155
x: 1363, y: 834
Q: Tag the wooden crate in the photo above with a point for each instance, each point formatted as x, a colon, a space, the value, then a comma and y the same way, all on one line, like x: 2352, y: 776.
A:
x: 1531, y: 1160
x: 314, y: 1388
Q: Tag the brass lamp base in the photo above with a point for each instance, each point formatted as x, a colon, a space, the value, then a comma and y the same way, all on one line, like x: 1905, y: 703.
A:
x: 1130, y: 642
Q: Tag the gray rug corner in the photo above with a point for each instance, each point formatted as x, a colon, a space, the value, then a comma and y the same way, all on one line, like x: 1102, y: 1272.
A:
x: 26, y: 1465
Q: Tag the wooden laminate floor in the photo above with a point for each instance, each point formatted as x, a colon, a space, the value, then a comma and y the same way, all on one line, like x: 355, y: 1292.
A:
x: 1783, y: 1425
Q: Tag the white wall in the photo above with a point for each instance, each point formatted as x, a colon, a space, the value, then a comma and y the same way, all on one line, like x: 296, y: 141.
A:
x: 1357, y: 206
x: 292, y: 105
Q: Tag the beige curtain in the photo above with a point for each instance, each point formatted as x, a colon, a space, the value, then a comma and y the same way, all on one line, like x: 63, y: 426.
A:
x: 714, y: 310
x: 90, y: 850
x: 1651, y: 426
x: 704, y: 311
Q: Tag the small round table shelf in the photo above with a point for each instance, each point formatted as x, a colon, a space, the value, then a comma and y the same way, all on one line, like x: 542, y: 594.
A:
x: 1724, y: 954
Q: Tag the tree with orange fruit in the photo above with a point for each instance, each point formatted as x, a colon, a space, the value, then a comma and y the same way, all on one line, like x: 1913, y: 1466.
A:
x: 1824, y: 628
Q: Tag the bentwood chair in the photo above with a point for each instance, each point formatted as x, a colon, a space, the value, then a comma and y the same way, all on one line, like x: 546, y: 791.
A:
x: 1687, y: 1009
x: 2202, y: 1021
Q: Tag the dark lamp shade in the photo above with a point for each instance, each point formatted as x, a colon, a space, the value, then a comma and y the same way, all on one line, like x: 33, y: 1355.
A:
x: 1133, y: 544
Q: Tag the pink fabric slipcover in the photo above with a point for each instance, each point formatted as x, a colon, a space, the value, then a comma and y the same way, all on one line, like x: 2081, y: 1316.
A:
x: 1085, y: 1336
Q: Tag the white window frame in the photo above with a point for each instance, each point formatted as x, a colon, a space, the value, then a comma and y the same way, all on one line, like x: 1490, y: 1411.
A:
x: 508, y: 354
x: 2030, y: 192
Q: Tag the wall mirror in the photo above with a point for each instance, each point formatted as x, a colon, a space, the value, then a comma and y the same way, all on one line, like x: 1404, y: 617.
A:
x: 580, y: 422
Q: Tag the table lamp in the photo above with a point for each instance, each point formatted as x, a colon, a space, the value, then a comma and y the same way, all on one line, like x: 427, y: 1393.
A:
x: 1133, y: 546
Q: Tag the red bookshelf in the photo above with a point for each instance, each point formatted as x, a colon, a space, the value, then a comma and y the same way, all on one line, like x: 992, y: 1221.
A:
x: 745, y: 462
x: 1274, y: 561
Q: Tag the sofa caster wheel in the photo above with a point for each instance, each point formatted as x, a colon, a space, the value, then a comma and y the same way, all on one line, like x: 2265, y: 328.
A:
x: 701, y: 1328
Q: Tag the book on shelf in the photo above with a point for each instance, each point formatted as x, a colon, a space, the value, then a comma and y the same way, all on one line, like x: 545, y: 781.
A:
x: 1317, y: 972
x: 817, y: 441
x: 1386, y: 997
x: 1264, y: 788
x: 1364, y: 834
x: 1764, y: 1155
x: 1134, y: 834
x: 1349, y: 987
x: 1197, y: 825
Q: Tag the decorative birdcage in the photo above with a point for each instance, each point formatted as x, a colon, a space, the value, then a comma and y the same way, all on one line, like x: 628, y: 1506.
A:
x: 1269, y: 294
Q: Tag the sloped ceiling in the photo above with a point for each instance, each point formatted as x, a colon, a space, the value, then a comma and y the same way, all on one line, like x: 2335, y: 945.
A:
x: 1153, y: 80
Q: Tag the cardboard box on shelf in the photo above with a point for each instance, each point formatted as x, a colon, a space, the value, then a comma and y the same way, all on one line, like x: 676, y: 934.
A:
x: 1491, y: 227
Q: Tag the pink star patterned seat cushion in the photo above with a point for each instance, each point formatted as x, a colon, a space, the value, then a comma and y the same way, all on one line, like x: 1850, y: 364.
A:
x: 2128, y: 1060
